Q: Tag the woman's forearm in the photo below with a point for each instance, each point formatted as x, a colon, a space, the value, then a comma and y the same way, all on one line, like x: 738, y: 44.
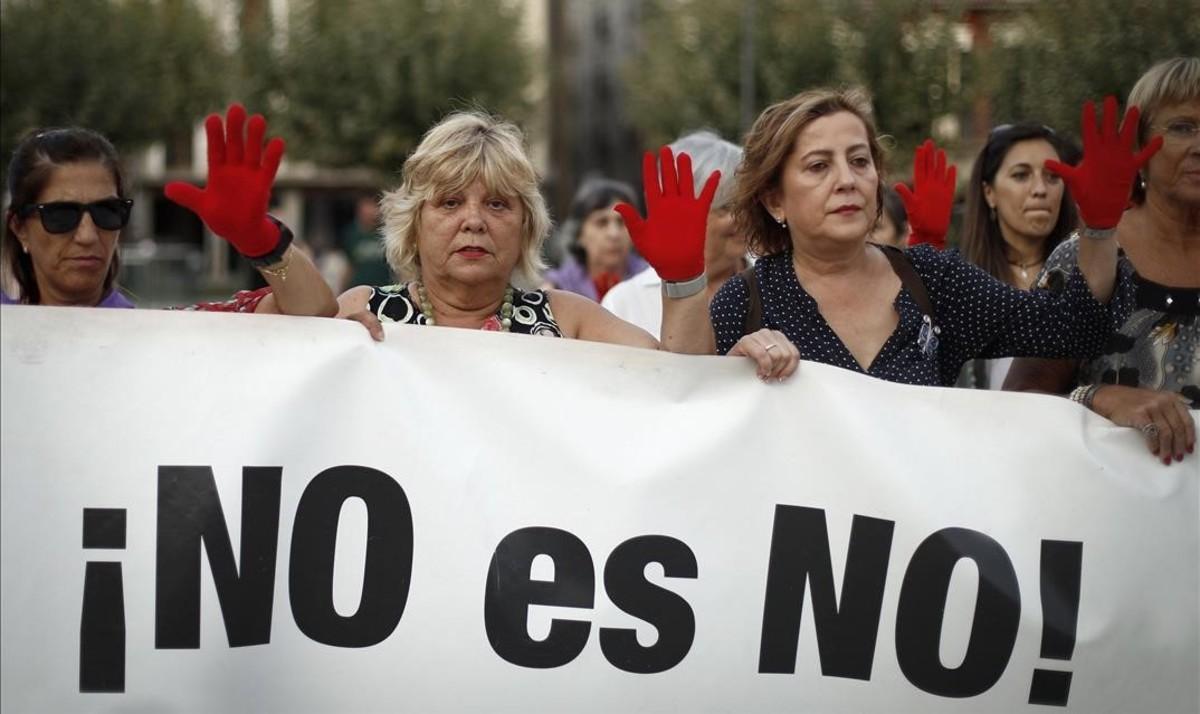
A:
x: 686, y: 328
x: 298, y: 286
x: 1098, y: 262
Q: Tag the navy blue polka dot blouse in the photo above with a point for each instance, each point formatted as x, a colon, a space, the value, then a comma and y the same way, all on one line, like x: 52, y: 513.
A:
x: 976, y: 316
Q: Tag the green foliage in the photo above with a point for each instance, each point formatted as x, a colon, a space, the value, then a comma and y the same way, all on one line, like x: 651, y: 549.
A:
x: 688, y: 72
x: 133, y: 70
x: 1043, y: 65
x: 906, y: 54
x: 361, y: 80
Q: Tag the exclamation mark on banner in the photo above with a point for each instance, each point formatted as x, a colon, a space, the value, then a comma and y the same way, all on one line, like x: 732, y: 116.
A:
x: 1062, y: 568
x: 102, y: 623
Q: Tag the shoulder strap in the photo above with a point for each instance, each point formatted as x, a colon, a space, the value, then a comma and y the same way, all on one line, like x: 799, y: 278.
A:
x: 754, y: 316
x: 912, y: 282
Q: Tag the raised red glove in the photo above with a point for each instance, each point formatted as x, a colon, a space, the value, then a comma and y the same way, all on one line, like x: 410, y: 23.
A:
x: 1103, y: 180
x: 233, y: 203
x: 929, y: 203
x: 671, y: 238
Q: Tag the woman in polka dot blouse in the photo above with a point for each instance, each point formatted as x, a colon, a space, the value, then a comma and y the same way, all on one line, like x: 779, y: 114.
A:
x: 807, y: 197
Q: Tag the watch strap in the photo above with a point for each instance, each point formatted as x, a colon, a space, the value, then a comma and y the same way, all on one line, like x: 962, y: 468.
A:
x: 276, y: 254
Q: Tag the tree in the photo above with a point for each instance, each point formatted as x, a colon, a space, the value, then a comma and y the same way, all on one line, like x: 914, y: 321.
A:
x: 360, y: 81
x: 688, y: 73
x: 1043, y: 65
x: 134, y: 70
x: 906, y: 54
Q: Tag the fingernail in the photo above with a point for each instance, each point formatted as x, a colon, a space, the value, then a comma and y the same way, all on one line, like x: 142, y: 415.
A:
x: 1179, y: 457
x: 1191, y: 449
x: 1167, y: 461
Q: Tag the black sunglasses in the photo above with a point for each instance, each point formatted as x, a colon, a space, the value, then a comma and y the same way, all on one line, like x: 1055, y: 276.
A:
x: 64, y: 216
x: 1005, y: 128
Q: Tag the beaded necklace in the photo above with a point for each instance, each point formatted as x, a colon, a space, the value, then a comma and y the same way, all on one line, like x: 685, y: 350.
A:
x: 501, y: 321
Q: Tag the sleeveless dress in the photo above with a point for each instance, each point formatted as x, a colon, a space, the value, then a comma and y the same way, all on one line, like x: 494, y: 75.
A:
x: 531, y: 310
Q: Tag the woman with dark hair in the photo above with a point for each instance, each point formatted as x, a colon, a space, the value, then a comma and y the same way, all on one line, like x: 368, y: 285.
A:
x: 1018, y: 211
x: 1147, y: 375
x: 71, y: 179
x: 599, y: 252
x: 68, y: 206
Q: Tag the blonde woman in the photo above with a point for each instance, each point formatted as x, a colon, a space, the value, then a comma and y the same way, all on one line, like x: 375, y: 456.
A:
x: 464, y: 233
x: 1147, y: 375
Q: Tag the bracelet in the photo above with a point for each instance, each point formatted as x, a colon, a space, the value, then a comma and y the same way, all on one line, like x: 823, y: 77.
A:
x: 1099, y: 233
x: 276, y: 253
x: 685, y: 288
x: 281, y: 271
x: 1084, y: 394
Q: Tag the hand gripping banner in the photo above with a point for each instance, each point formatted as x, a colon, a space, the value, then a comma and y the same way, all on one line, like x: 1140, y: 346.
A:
x: 209, y: 512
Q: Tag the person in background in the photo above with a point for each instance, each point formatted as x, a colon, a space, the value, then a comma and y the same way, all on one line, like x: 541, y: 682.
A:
x: 363, y: 245
x: 599, y: 252
x: 639, y: 299
x: 68, y: 205
x: 892, y: 227
x: 1147, y: 375
x: 1018, y: 211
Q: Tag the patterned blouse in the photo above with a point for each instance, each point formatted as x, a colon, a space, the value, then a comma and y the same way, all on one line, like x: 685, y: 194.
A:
x: 975, y: 316
x: 1156, y: 344
x: 531, y: 310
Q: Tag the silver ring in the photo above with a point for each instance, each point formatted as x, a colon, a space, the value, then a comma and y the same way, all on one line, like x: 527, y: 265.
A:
x: 770, y: 347
x: 1150, y: 431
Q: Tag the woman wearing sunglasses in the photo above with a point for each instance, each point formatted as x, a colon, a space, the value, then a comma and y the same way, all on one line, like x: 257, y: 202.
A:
x: 68, y: 206
x: 1147, y: 376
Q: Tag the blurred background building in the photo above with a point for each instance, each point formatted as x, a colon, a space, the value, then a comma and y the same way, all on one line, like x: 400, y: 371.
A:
x: 352, y: 85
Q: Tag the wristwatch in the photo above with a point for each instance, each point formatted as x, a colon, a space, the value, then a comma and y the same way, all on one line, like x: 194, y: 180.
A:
x: 276, y: 254
x: 686, y: 288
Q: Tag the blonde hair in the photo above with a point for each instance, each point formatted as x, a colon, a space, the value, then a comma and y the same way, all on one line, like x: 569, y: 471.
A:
x: 1171, y: 81
x: 768, y: 145
x: 457, y: 151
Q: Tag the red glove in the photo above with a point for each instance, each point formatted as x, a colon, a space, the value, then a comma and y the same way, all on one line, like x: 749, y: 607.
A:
x: 233, y: 203
x: 928, y: 204
x: 605, y: 282
x: 671, y: 238
x: 1102, y: 182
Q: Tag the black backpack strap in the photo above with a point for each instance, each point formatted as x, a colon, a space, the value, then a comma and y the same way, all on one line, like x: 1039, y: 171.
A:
x: 912, y: 282
x: 754, y: 315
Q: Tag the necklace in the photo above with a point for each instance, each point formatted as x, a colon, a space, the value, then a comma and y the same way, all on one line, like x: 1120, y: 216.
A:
x: 1023, y: 268
x: 500, y: 322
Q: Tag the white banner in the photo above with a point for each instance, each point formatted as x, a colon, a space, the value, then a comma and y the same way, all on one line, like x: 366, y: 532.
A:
x: 207, y: 512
